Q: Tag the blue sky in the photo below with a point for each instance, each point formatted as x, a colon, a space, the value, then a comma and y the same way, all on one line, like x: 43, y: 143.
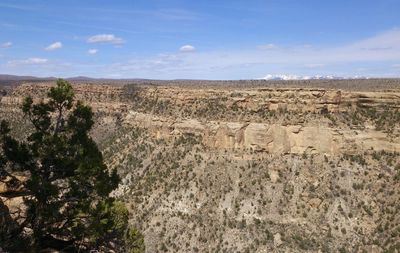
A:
x: 205, y: 39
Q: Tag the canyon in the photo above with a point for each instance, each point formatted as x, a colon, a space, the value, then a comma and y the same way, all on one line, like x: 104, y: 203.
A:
x: 263, y: 166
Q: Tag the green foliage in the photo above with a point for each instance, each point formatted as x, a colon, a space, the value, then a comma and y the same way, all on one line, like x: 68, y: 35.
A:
x: 69, y: 184
x: 134, y: 241
x: 107, y: 218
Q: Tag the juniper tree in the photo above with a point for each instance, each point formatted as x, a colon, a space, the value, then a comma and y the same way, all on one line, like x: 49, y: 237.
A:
x: 68, y: 188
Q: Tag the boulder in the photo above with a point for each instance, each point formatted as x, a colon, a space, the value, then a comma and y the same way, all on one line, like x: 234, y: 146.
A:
x: 277, y: 240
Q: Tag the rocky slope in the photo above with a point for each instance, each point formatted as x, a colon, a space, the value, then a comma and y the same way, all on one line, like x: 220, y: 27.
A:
x: 250, y: 169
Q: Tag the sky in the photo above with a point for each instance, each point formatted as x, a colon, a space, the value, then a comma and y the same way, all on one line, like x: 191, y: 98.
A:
x: 203, y: 39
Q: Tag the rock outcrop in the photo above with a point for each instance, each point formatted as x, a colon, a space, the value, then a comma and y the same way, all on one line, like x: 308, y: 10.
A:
x: 275, y: 138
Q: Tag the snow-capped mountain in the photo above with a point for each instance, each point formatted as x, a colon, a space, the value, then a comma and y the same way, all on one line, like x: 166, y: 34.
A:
x: 316, y: 77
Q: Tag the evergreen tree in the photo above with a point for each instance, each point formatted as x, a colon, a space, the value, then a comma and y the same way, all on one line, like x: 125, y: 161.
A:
x: 67, y: 193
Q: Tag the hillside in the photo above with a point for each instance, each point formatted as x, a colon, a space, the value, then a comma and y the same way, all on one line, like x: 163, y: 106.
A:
x: 248, y: 166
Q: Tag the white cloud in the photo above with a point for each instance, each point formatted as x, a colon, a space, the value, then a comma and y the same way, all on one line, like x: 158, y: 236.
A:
x: 187, y: 48
x: 6, y: 44
x: 106, y: 38
x: 267, y: 46
x: 54, y: 46
x: 92, y: 51
x: 29, y: 61
x: 174, y: 14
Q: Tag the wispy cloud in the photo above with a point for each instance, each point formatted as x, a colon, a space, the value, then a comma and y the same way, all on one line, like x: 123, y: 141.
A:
x: 269, y: 46
x: 106, y: 38
x: 175, y: 14
x: 92, y: 51
x: 54, y: 46
x: 386, y: 40
x: 8, y: 25
x: 18, y: 7
x: 167, y: 14
x: 159, y: 63
x: 187, y: 49
x: 28, y: 61
x: 7, y: 44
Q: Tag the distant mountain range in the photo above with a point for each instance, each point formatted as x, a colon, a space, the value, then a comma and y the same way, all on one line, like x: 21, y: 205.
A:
x: 15, y: 78
x: 20, y: 78
x: 317, y: 77
x: 4, y: 77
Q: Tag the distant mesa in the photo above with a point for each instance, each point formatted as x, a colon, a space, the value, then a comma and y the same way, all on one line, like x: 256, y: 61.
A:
x: 4, y: 77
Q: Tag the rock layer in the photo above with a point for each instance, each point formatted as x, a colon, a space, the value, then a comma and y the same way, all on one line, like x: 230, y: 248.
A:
x: 277, y: 139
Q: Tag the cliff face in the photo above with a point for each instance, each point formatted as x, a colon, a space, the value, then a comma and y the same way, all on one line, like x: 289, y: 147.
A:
x: 247, y: 169
x: 270, y: 138
x: 269, y: 120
